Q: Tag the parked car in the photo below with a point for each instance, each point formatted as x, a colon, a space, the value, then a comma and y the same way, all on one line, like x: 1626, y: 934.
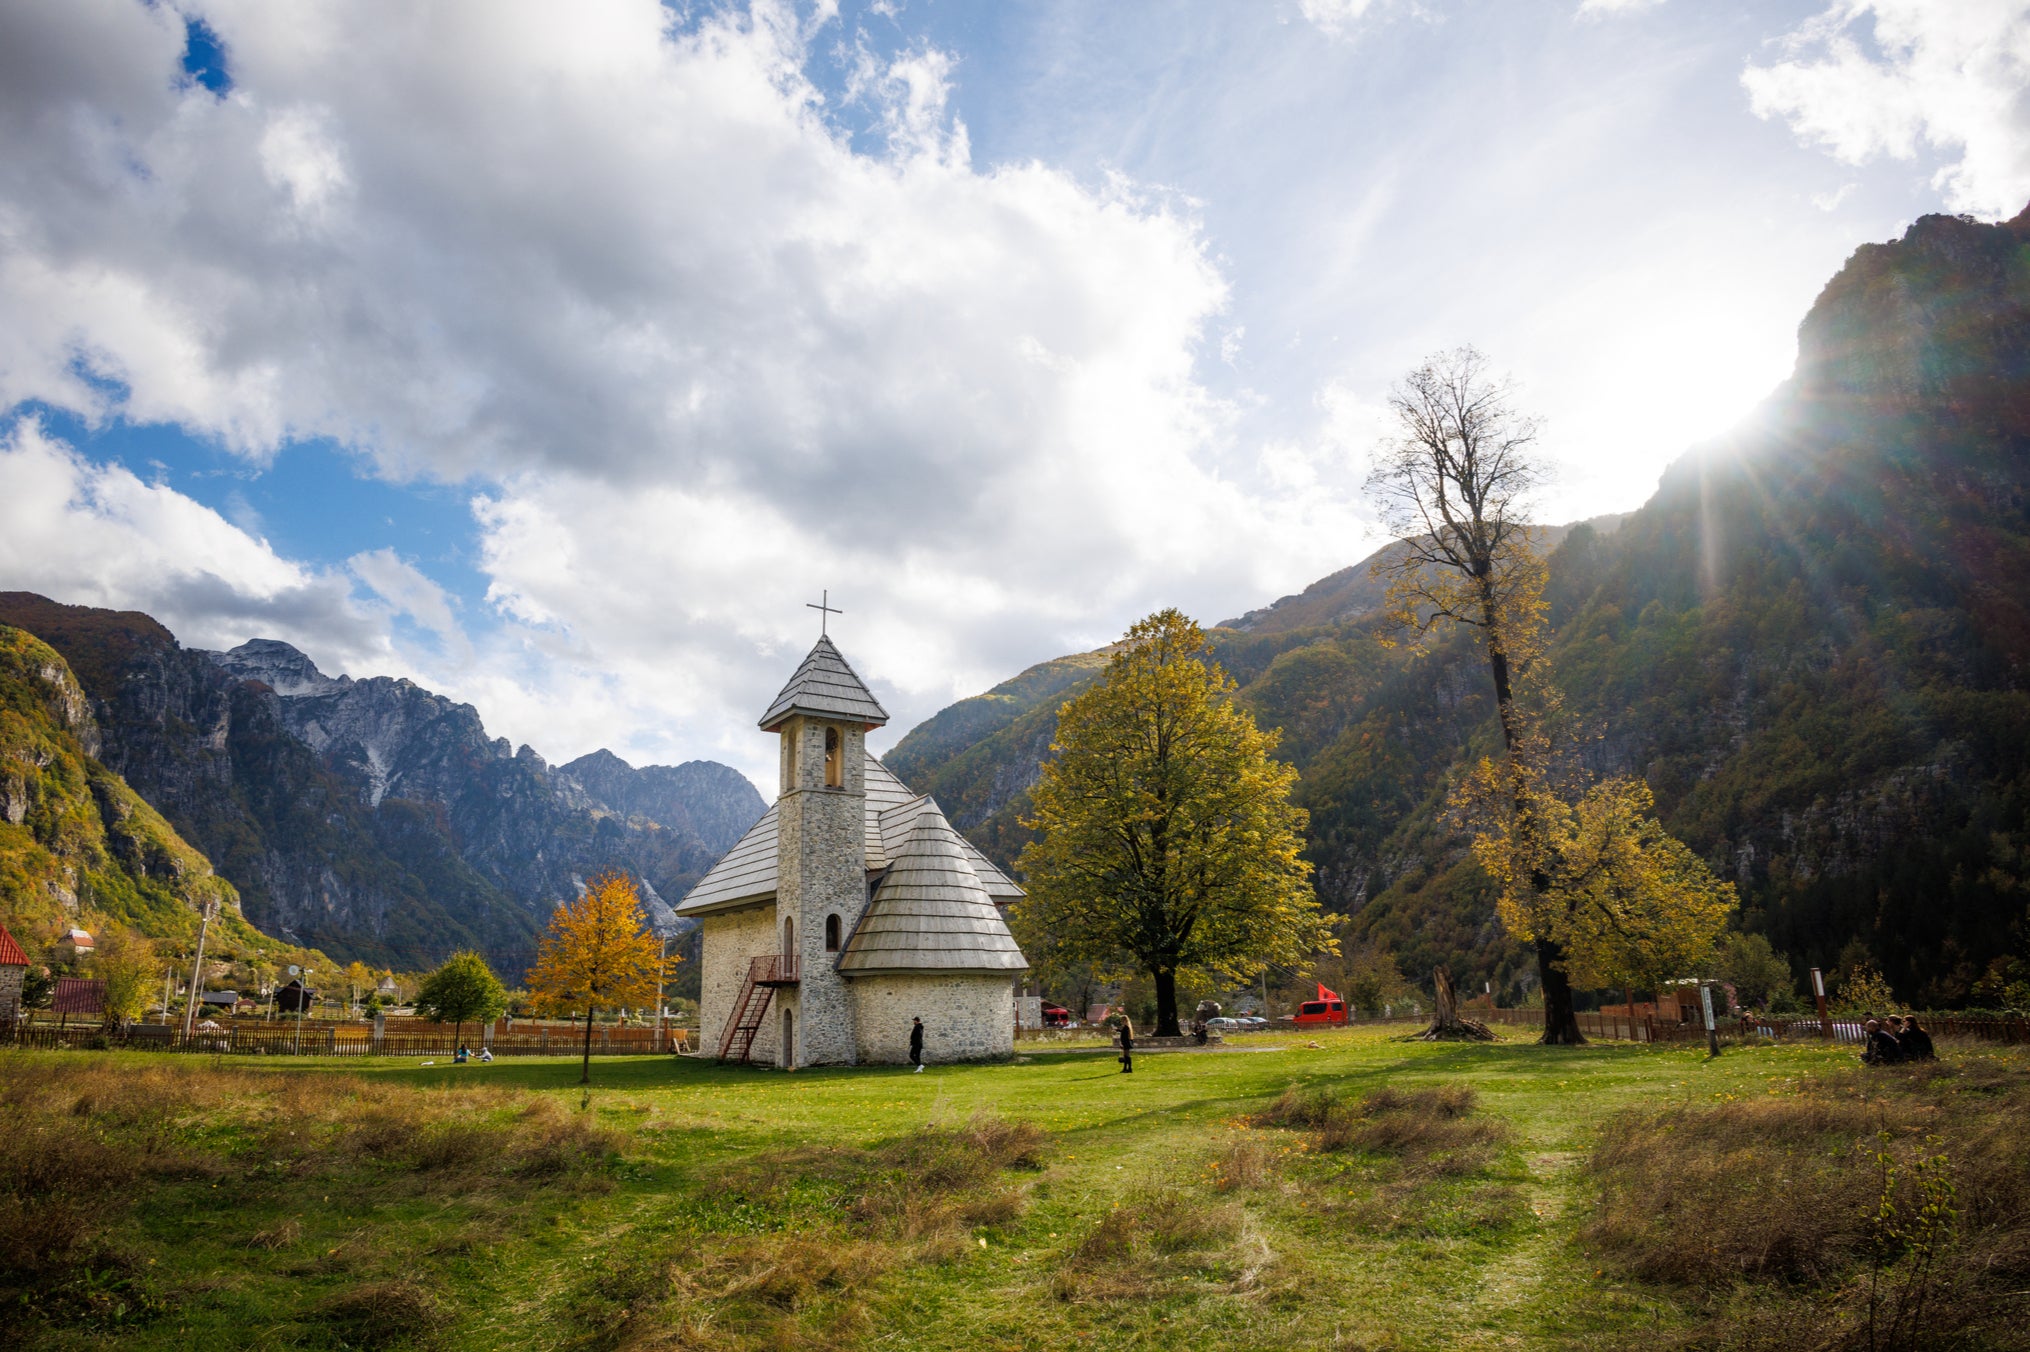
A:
x: 1225, y: 1025
x: 1056, y: 1016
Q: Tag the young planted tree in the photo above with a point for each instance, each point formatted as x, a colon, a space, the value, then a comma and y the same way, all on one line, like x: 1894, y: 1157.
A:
x: 1455, y: 486
x: 598, y: 954
x: 464, y: 990
x: 1165, y: 838
x: 126, y: 962
x: 358, y: 978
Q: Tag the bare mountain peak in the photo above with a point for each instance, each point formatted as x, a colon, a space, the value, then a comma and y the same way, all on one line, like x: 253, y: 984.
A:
x: 282, y: 667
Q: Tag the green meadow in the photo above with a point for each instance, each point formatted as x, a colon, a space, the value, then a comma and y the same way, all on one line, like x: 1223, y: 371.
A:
x: 1344, y: 1191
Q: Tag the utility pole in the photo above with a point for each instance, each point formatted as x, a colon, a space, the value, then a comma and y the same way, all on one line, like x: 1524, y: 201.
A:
x: 197, y: 969
x: 662, y: 960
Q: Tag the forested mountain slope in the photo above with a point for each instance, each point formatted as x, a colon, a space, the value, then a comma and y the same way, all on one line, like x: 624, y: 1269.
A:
x: 1812, y: 642
x: 77, y: 845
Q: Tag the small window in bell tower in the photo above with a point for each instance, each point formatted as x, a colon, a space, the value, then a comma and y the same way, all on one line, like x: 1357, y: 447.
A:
x: 835, y: 764
x: 831, y: 934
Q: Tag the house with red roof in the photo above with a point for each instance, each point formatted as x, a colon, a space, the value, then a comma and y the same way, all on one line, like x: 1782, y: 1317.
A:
x: 13, y: 971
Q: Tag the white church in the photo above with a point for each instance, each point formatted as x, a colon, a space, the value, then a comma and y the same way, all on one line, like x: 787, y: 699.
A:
x: 851, y: 907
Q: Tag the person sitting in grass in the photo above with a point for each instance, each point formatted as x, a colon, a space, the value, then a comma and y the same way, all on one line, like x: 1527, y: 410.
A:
x: 486, y: 1055
x: 1914, y: 1042
x: 1880, y: 1048
x: 464, y: 1055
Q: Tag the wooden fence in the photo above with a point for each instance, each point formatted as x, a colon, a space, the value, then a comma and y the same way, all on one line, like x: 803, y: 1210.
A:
x: 335, y: 1039
x: 1845, y: 1029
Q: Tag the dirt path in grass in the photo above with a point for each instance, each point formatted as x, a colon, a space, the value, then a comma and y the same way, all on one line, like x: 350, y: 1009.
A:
x: 1514, y: 1284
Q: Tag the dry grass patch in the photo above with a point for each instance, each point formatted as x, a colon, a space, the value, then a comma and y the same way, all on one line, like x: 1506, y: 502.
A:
x: 850, y: 1214
x: 1886, y: 1209
x: 1141, y: 1248
x: 81, y: 1142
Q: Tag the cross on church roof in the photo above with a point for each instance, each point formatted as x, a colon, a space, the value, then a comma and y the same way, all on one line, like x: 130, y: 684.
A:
x: 825, y: 609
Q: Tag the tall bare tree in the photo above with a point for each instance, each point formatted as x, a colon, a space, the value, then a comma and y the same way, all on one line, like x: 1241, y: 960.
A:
x: 1456, y: 485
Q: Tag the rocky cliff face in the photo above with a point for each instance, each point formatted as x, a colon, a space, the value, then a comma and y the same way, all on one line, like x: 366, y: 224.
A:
x: 373, y: 818
x: 77, y: 845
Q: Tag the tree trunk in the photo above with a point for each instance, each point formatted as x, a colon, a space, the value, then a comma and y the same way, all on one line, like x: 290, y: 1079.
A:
x: 1561, y: 1025
x: 585, y: 1065
x: 457, y: 1030
x: 1166, y: 1003
x: 1446, y: 1025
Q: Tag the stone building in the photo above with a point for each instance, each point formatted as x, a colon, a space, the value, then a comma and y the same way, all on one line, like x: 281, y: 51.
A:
x: 13, y: 972
x: 852, y: 906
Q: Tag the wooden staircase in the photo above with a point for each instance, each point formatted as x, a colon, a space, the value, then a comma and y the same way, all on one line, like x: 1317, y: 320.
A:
x: 764, y: 974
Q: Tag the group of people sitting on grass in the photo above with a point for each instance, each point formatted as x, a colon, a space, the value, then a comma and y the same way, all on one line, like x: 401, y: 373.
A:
x: 1900, y: 1039
x: 465, y: 1054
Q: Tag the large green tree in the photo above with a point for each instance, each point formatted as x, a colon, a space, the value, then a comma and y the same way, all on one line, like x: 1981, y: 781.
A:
x: 464, y: 990
x: 1166, y: 838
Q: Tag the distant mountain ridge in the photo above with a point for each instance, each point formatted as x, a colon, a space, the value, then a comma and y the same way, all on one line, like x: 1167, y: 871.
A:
x: 373, y: 818
x: 1813, y: 642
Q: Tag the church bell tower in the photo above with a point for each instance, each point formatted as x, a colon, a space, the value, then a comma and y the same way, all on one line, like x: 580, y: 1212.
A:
x: 822, y: 717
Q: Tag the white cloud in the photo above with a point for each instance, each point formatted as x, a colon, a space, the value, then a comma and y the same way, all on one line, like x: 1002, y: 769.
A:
x: 407, y: 591
x: 1872, y: 78
x: 699, y: 355
x: 98, y: 535
x: 1600, y: 9
x: 1338, y: 18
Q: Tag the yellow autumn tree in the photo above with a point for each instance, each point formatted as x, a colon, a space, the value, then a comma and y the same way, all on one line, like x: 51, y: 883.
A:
x: 1627, y: 903
x: 1165, y: 835
x: 598, y: 954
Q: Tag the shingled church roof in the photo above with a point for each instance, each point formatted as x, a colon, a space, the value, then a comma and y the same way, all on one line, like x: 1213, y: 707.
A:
x: 931, y: 912
x: 746, y: 873
x: 826, y: 687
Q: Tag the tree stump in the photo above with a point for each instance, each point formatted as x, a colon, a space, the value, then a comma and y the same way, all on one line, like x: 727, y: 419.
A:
x: 1446, y: 1025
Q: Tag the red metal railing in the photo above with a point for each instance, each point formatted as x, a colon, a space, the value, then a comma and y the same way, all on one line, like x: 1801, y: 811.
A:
x: 774, y: 969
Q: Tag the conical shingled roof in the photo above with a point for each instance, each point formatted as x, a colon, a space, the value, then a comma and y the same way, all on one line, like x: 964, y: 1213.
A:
x: 825, y: 686
x: 931, y: 913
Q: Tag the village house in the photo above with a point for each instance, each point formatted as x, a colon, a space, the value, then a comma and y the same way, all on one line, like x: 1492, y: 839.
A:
x: 852, y: 907
x: 13, y: 972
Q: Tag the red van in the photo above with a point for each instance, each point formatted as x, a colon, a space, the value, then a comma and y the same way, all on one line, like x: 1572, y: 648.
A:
x: 1321, y: 1011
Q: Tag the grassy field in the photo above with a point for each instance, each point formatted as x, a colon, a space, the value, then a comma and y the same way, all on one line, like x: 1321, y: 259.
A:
x: 1401, y: 1195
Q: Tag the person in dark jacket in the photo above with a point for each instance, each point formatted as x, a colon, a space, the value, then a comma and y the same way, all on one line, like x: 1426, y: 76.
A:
x: 1127, y: 1045
x: 916, y: 1044
x: 1915, y: 1042
x: 1881, y: 1048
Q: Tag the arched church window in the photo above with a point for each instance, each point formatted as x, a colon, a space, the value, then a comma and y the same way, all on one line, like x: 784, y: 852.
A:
x: 831, y: 934
x: 835, y: 776
x: 788, y: 934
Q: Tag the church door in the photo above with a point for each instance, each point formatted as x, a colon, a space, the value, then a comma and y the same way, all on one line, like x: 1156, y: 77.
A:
x: 788, y: 1039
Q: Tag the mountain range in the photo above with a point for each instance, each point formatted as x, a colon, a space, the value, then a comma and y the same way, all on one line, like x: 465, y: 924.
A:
x: 371, y: 818
x: 1813, y: 642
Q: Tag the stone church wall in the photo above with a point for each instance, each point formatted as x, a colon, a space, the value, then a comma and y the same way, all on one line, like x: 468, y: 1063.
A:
x: 729, y: 941
x: 11, y: 979
x: 965, y: 1018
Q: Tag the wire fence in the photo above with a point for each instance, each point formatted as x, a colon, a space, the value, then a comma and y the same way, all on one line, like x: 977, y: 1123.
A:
x: 336, y: 1039
x: 1839, y: 1028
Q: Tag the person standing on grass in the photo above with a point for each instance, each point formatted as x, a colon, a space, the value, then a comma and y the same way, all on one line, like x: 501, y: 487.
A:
x: 1127, y: 1045
x: 916, y: 1044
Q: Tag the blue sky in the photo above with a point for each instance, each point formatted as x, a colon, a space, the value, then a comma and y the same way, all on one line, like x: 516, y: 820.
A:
x: 557, y: 364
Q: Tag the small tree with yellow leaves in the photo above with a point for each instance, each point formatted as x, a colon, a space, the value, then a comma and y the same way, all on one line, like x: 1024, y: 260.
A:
x: 598, y: 954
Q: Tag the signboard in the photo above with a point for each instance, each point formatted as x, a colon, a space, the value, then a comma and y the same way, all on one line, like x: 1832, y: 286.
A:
x: 1818, y: 983
x: 1029, y: 1011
